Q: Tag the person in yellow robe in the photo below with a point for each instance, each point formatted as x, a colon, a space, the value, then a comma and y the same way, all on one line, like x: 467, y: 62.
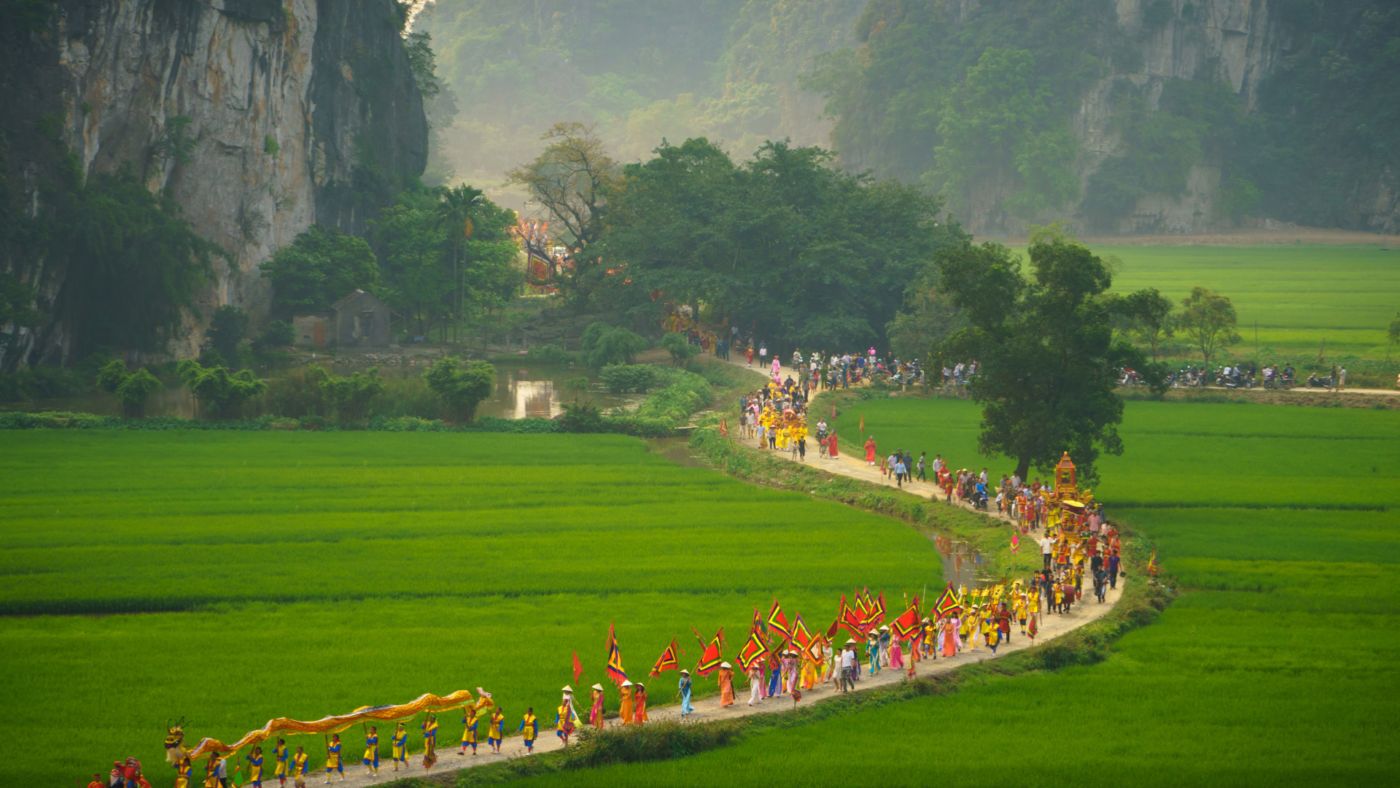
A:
x: 624, y: 707
x: 529, y: 730
x: 255, y: 767
x: 495, y: 730
x: 182, y: 772
x: 299, y: 767
x: 469, y: 726
x: 398, y: 746
x: 280, y: 755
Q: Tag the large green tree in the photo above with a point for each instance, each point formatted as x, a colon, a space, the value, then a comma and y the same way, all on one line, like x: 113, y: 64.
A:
x: 317, y: 269
x: 1047, y: 359
x: 447, y: 256
x: 786, y: 245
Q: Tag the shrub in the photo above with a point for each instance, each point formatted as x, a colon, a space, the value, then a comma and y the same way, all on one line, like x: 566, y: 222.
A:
x: 461, y: 386
x: 550, y: 354
x: 624, y: 378
x: 582, y: 417
x: 604, y: 344
x: 135, y: 390
x: 297, y: 393
x: 110, y: 376
x: 350, y: 395
x: 221, y: 393
x: 226, y: 331
x: 680, y: 349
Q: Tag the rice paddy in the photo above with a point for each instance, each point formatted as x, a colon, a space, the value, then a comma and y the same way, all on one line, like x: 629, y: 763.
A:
x: 1276, y: 665
x: 1292, y: 301
x: 237, y: 576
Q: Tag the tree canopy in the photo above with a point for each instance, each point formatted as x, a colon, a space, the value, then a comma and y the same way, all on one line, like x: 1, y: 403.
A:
x: 317, y: 269
x: 1047, y: 359
x: 786, y: 245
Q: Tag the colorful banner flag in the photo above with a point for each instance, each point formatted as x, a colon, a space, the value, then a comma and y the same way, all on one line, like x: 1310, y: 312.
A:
x: 669, y: 660
x: 578, y: 668
x: 949, y: 604
x: 800, y: 634
x: 753, y: 651
x: 710, y: 658
x: 908, y: 622
x: 615, y: 671
x: 777, y: 620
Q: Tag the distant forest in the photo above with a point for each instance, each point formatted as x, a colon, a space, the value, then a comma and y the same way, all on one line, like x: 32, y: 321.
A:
x: 1014, y: 113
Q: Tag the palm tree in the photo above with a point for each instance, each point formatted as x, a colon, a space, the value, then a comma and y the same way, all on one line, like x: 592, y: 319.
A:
x: 455, y: 213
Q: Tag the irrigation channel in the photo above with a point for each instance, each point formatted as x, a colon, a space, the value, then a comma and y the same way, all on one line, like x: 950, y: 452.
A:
x: 960, y: 565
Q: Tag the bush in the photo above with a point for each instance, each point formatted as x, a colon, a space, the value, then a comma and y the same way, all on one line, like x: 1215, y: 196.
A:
x: 624, y: 378
x: 275, y: 335
x: 604, y: 344
x: 297, y: 394
x: 407, y: 424
x: 135, y: 390
x: 686, y: 393
x: 680, y: 349
x: 350, y: 395
x: 582, y: 417
x: 461, y: 386
x: 220, y: 392
x: 550, y: 354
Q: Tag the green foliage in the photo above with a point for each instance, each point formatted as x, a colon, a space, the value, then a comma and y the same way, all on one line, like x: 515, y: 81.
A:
x: 603, y: 344
x: 270, y: 146
x: 461, y: 385
x: 319, y: 268
x: 970, y: 98
x: 111, y: 375
x: 680, y: 348
x: 1146, y: 315
x: 447, y: 256
x: 549, y: 353
x: 625, y: 378
x: 1208, y: 320
x: 226, y: 331
x: 132, y: 389
x: 276, y: 334
x: 684, y: 394
x: 133, y: 266
x: 349, y: 396
x: 582, y: 417
x: 786, y: 243
x: 1047, y: 363
x: 135, y: 390
x: 220, y: 393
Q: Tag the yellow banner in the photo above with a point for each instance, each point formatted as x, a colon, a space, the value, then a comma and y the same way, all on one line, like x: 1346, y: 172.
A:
x: 334, y: 724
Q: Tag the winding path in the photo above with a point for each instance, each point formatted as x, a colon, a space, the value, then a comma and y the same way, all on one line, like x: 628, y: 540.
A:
x: 709, y: 709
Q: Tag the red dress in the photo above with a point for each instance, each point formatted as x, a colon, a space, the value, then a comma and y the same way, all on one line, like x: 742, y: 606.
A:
x: 870, y: 450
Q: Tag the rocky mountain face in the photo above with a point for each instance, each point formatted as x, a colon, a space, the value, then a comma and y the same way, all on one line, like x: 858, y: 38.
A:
x: 258, y: 117
x: 1233, y: 41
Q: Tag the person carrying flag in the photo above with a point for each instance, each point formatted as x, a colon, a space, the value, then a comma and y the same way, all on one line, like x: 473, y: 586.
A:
x: 280, y: 756
x: 565, y: 717
x: 371, y: 756
x: 333, y: 763
x: 398, y: 747
x: 624, y: 706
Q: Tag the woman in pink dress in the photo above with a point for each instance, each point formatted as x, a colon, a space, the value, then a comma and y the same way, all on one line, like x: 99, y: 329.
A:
x: 870, y: 451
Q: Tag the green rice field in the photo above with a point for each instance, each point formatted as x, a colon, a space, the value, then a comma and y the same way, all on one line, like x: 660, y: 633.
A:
x: 237, y: 576
x: 1279, y: 663
x: 1292, y: 299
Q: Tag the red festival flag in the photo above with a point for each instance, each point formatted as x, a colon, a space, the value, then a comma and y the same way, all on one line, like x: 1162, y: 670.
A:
x: 578, y: 668
x: 669, y: 660
x: 753, y: 650
x: 615, y: 671
x: 908, y: 622
x: 949, y: 603
x: 777, y: 620
x: 861, y: 610
x: 800, y: 633
x: 710, y: 659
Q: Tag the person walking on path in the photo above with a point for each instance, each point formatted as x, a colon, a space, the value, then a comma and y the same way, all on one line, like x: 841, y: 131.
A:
x: 624, y: 707
x: 870, y: 450
x: 530, y: 728
x: 686, y: 708
x: 726, y: 684
x: 639, y: 713
x: 595, y: 712
x: 755, y: 674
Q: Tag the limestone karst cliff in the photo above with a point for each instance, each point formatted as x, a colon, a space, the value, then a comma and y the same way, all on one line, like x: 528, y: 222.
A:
x: 257, y: 117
